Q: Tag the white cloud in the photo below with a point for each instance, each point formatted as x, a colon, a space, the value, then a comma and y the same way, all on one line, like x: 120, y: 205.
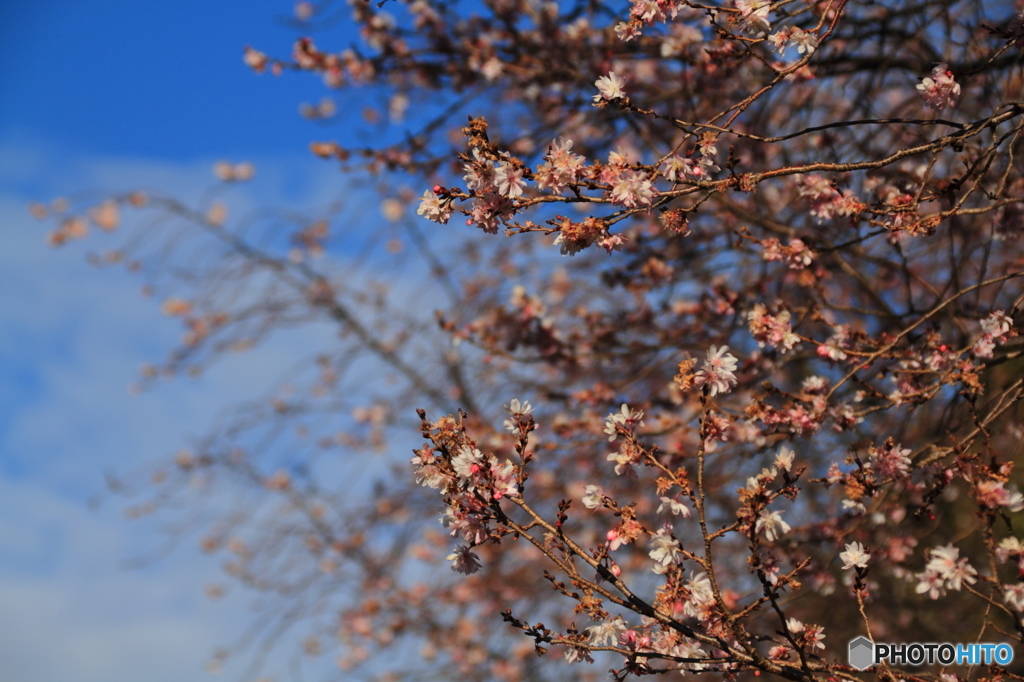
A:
x: 68, y: 612
x: 72, y: 340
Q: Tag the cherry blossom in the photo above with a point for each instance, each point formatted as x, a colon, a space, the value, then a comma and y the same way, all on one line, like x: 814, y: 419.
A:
x: 784, y: 459
x: 754, y: 16
x: 606, y: 633
x: 593, y: 496
x: 806, y: 42
x: 509, y: 180
x: 854, y: 556
x: 610, y: 87
x: 741, y: 193
x: 464, y: 560
x: 1014, y: 595
x: 771, y: 524
x: 625, y: 420
x: 632, y: 189
x: 517, y: 412
x: 676, y: 507
x: 945, y: 570
x: 664, y: 549
x: 718, y: 371
x: 940, y: 90
x: 432, y: 207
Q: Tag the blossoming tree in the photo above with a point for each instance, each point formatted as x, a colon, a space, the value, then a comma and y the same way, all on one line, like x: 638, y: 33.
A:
x: 717, y: 370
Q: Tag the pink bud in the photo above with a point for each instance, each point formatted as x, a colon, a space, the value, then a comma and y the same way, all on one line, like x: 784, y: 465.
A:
x: 616, y: 571
x: 612, y: 535
x: 437, y: 189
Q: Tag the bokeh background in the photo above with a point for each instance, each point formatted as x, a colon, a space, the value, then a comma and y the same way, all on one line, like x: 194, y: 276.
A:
x: 97, y: 98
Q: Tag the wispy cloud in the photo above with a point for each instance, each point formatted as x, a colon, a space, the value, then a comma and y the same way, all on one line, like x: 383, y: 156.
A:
x: 72, y: 339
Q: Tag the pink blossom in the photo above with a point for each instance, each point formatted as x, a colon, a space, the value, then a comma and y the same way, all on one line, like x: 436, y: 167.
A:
x: 510, y: 180
x: 833, y: 348
x: 813, y: 634
x: 467, y: 463
x: 631, y: 189
x: 772, y: 330
x: 254, y: 59
x: 780, y: 40
x: 479, y: 174
x: 992, y: 494
x: 717, y: 371
x: 575, y: 654
x: 1014, y: 595
x: 984, y: 347
x: 940, y: 90
x: 702, y: 597
x: 814, y: 385
x: 626, y: 30
x: 561, y: 167
x: 890, y: 461
x: 504, y: 478
x: 613, y: 242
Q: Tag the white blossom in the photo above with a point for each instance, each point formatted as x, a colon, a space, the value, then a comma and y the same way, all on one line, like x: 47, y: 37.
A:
x: 771, y: 523
x: 606, y: 633
x: 784, y: 460
x: 609, y: 87
x: 593, y: 496
x: 717, y: 371
x: 665, y: 550
x: 854, y: 556
x: 626, y: 418
x: 676, y: 507
x: 516, y: 410
x: 433, y: 208
x: 1014, y: 595
x: 464, y: 560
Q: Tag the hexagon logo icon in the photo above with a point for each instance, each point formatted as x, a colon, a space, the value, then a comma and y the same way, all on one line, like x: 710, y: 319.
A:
x: 862, y: 653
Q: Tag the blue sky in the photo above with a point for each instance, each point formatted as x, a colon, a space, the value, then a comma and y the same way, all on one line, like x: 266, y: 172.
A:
x: 107, y: 96
x: 150, y: 79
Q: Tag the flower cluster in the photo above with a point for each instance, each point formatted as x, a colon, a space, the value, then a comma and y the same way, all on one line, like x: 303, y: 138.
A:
x: 940, y: 90
x: 773, y: 330
x: 996, y: 329
x: 797, y: 255
x: 718, y: 371
x: 945, y: 570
